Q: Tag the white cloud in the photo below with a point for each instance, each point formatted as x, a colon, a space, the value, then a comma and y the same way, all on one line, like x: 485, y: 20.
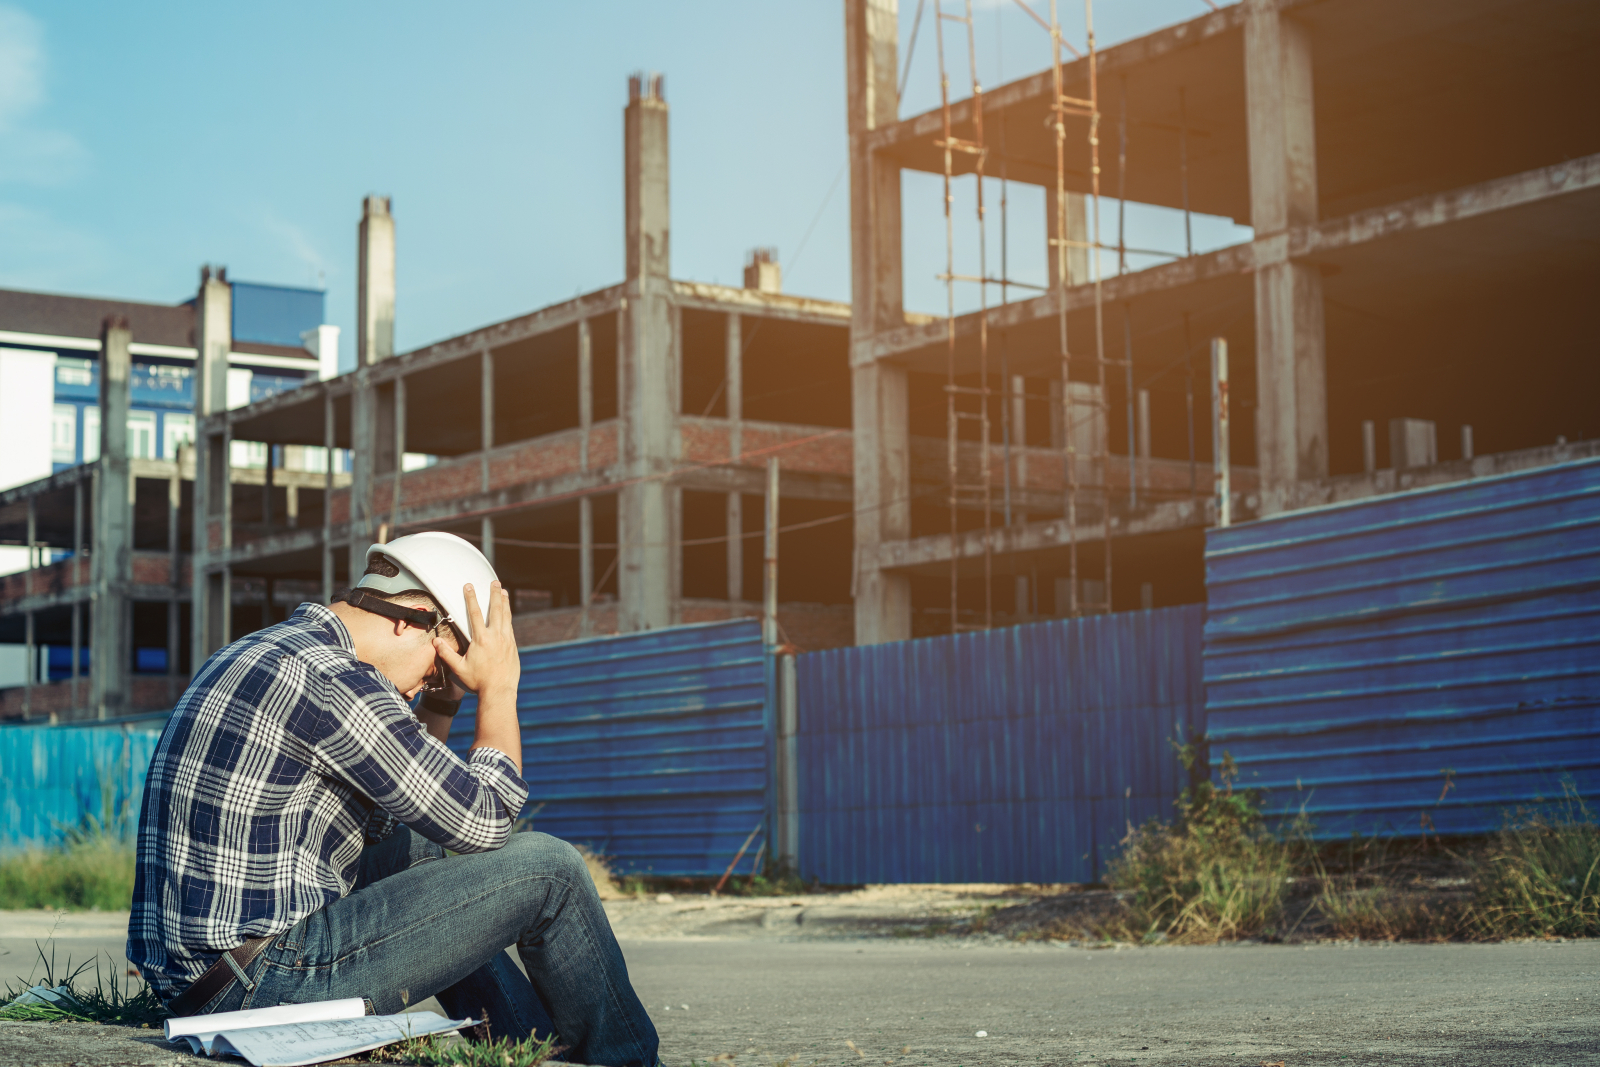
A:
x: 21, y: 65
x: 29, y: 153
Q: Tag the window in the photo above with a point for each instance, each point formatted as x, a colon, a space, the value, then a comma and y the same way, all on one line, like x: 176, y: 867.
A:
x: 141, y: 435
x: 91, y: 433
x: 64, y: 433
x: 176, y: 429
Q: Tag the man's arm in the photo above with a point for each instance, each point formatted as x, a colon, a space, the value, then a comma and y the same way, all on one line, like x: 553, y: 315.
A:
x: 491, y: 668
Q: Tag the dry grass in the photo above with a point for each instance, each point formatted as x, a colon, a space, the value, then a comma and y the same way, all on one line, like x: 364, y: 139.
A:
x: 94, y: 871
x: 600, y: 870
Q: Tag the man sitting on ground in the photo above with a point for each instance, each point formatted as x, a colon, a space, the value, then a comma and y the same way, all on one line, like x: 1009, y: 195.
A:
x: 296, y: 816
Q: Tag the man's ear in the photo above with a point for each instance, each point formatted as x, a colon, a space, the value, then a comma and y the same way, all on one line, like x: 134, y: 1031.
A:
x: 399, y: 627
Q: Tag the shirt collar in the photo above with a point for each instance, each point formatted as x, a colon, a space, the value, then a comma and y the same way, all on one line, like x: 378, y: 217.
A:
x: 314, y: 614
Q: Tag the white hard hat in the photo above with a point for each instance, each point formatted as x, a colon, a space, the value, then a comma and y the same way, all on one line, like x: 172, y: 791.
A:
x: 437, y: 563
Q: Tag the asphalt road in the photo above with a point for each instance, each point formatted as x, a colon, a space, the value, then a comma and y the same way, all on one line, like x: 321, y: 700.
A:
x: 765, y: 1001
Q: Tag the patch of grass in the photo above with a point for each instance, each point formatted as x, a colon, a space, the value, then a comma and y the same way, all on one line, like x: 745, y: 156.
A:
x: 605, y: 880
x: 1217, y: 872
x: 1540, y: 876
x: 430, y: 1052
x: 110, y: 1000
x: 92, y: 870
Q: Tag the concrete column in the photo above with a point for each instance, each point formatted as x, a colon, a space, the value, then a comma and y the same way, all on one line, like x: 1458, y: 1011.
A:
x: 174, y: 565
x: 113, y: 535
x: 399, y: 424
x: 649, y: 376
x: 735, y: 546
x: 1144, y: 437
x: 363, y: 448
x: 485, y: 443
x: 733, y: 384
x: 585, y: 391
x: 327, y: 496
x: 77, y: 602
x: 585, y: 562
x: 375, y: 283
x: 1077, y: 231
x: 213, y: 341
x: 29, y: 650
x: 1291, y: 378
x: 881, y: 432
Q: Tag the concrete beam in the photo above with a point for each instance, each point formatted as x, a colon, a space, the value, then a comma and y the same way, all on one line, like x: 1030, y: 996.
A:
x: 934, y: 551
x: 111, y: 615
x: 1441, y: 209
x: 706, y: 297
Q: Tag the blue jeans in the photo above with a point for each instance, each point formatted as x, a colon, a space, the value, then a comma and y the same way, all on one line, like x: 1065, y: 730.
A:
x: 420, y: 924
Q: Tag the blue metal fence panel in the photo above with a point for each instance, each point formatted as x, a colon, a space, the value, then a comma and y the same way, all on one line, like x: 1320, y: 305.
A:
x: 653, y: 748
x: 56, y: 779
x: 1417, y: 662
x: 1010, y: 755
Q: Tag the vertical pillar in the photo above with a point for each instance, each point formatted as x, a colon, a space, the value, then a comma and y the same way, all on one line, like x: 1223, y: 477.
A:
x: 485, y: 443
x: 1019, y: 441
x: 328, y: 440
x: 174, y: 569
x: 113, y: 555
x: 649, y: 376
x: 733, y: 383
x: 213, y: 341
x: 1219, y: 430
x: 1291, y: 374
x: 1077, y: 248
x: 881, y: 432
x: 1144, y: 438
x: 786, y: 847
x: 1369, y: 446
x: 363, y: 439
x: 399, y: 452
x: 585, y: 562
x: 585, y: 391
x: 769, y: 590
x: 28, y: 648
x: 375, y: 287
x: 77, y: 591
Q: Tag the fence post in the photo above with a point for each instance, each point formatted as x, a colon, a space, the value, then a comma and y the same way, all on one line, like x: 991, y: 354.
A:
x: 786, y: 833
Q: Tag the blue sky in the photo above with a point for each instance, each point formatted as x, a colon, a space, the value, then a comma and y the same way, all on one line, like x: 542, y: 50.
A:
x: 138, y: 141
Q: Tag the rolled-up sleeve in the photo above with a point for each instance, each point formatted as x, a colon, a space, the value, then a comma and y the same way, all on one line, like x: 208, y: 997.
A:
x: 377, y: 746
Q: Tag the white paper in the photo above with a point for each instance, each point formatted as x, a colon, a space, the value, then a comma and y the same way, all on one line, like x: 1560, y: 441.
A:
x: 298, y: 1044
x: 200, y: 1029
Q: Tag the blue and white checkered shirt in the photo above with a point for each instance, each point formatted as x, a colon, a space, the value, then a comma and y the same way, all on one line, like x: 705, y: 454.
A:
x: 280, y: 761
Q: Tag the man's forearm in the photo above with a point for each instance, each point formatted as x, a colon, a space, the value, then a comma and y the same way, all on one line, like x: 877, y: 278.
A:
x: 497, y: 724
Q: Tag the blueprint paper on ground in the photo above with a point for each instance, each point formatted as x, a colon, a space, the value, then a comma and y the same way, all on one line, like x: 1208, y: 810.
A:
x: 198, y: 1030
x: 302, y: 1043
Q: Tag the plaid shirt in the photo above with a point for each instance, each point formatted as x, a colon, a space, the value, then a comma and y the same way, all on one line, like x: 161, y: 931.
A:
x: 281, y: 760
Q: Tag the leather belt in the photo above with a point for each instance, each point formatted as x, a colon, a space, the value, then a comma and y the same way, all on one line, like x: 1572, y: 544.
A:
x: 229, y: 968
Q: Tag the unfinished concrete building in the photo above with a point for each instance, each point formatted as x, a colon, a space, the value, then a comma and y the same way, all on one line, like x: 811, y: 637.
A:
x: 1409, y: 311
x: 608, y: 452
x: 1424, y: 193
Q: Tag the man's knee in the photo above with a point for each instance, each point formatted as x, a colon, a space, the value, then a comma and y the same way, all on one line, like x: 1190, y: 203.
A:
x: 551, y: 856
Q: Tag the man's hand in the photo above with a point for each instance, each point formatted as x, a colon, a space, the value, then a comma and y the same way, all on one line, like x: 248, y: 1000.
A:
x: 491, y: 668
x: 491, y: 663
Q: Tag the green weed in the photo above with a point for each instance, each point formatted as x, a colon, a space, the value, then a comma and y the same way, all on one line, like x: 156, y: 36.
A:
x: 1217, y: 872
x: 109, y: 1000
x: 431, y: 1052
x: 1540, y: 876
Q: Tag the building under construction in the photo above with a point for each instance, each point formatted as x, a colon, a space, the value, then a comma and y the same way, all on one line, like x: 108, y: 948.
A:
x: 1409, y: 311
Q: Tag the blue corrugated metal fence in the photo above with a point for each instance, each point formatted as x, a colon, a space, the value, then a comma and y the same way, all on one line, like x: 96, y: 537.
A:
x: 1417, y: 662
x: 1021, y: 754
x: 55, y: 779
x: 653, y: 748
